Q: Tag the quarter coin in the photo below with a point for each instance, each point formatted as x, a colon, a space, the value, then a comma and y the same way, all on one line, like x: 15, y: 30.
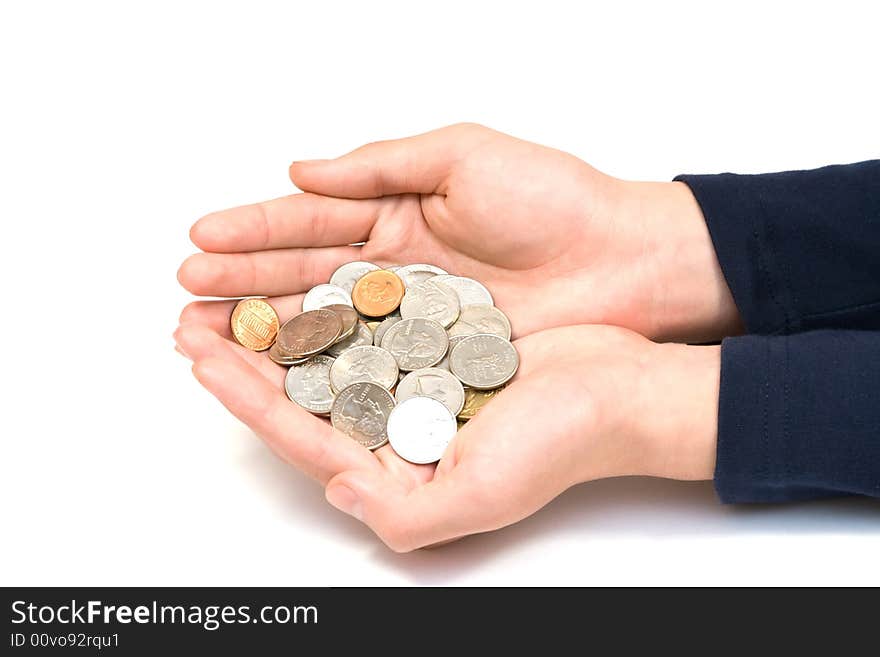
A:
x: 309, y: 333
x: 384, y: 325
x: 444, y: 364
x: 377, y: 293
x: 432, y: 301
x: 254, y: 324
x: 348, y: 274
x: 484, y: 361
x: 361, y: 412
x: 324, y: 295
x: 435, y: 383
x: 468, y: 290
x: 418, y: 273
x: 481, y: 318
x: 420, y: 429
x: 366, y: 363
x: 416, y: 343
x: 360, y: 337
x: 308, y: 385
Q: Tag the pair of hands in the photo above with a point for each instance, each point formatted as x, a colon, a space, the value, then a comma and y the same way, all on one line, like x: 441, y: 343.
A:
x: 583, y: 264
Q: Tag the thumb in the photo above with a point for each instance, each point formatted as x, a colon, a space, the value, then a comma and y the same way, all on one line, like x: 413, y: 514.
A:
x: 419, y: 164
x: 405, y: 520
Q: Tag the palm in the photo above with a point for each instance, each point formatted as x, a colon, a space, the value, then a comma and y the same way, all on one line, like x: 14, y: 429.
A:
x: 531, y: 223
x: 506, y: 466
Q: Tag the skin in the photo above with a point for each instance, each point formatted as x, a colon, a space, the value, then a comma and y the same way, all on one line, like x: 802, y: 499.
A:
x: 561, y: 246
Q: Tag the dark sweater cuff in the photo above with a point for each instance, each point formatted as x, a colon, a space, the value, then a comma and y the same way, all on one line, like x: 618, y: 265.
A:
x: 799, y: 417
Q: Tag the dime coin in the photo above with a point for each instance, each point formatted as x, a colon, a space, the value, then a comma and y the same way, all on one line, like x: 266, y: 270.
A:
x: 432, y: 301
x: 474, y: 400
x: 484, y: 361
x: 415, y: 274
x: 434, y: 383
x: 360, y: 337
x: 254, y: 324
x: 309, y: 333
x: 361, y: 412
x: 444, y: 364
x: 308, y: 385
x: 377, y: 293
x: 384, y: 325
x: 366, y: 363
x: 349, y: 319
x: 481, y: 318
x: 281, y: 358
x: 348, y: 274
x: 468, y: 290
x: 416, y: 343
x: 325, y: 295
x: 420, y: 428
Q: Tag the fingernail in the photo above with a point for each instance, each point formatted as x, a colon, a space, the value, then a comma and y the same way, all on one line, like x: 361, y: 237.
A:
x: 181, y: 351
x: 344, y: 499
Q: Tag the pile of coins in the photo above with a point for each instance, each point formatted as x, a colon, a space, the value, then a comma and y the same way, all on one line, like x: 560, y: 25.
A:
x: 403, y: 355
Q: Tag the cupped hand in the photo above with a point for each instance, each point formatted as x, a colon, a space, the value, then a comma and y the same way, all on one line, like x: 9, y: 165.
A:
x: 587, y: 402
x: 556, y: 241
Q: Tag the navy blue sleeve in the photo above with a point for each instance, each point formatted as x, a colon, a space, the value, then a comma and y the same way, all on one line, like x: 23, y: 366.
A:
x: 799, y: 416
x: 799, y: 407
x: 800, y: 250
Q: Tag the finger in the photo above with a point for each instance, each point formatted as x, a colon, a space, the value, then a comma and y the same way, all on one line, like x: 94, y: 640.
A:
x: 419, y: 164
x: 299, y: 220
x: 199, y: 342
x: 215, y: 314
x: 440, y: 510
x: 292, y: 432
x: 271, y: 273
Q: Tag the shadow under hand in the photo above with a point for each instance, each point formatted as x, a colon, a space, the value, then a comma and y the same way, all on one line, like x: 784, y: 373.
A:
x: 627, y: 506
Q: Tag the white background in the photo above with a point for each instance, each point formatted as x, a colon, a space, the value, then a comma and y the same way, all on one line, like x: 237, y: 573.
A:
x: 122, y: 124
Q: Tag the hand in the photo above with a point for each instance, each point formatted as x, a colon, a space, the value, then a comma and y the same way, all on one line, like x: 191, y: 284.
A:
x: 556, y: 241
x: 610, y: 403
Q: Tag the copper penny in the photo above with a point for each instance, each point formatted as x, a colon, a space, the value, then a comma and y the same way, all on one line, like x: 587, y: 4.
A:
x: 309, y: 333
x: 254, y: 324
x: 378, y: 293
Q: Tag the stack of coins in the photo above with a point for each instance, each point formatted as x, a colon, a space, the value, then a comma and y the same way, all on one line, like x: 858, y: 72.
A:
x: 402, y: 355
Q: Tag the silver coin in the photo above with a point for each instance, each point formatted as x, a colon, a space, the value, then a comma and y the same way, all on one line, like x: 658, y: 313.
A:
x: 468, y: 290
x: 324, y: 295
x: 416, y: 343
x: 349, y: 318
x: 481, y: 318
x: 444, y: 364
x: 361, y: 412
x: 366, y: 363
x: 418, y: 273
x: 383, y: 327
x: 432, y: 301
x: 362, y: 336
x: 308, y: 384
x: 435, y: 383
x: 348, y: 274
x: 393, y: 268
x: 484, y: 361
x: 420, y: 429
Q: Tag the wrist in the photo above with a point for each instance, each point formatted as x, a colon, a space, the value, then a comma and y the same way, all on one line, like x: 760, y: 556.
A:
x: 687, y: 295
x: 678, y: 411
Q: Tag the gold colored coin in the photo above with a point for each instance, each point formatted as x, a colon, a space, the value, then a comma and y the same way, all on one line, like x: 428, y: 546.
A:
x: 474, y: 400
x: 372, y: 326
x: 377, y: 293
x: 254, y: 324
